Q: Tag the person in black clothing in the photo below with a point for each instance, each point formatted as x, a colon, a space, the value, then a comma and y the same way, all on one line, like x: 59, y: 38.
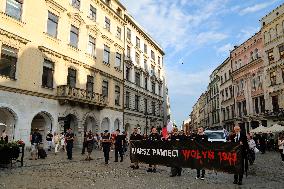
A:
x: 118, y: 144
x: 240, y: 138
x: 106, y: 144
x: 84, y: 143
x: 175, y: 136
x: 69, y: 143
x: 49, y: 137
x: 154, y: 136
x: 200, y: 137
x: 36, y: 139
x: 4, y: 136
x: 262, y: 143
x: 135, y: 136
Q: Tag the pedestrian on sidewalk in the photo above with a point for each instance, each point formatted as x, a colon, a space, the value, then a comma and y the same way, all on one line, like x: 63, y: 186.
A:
x: 106, y: 144
x: 36, y: 139
x: 281, y: 145
x: 62, y: 141
x: 154, y: 136
x: 135, y: 136
x: 119, y: 141
x: 89, y: 144
x: 241, y: 139
x: 4, y: 136
x: 200, y: 138
x: 49, y: 137
x: 69, y: 143
x: 56, y: 140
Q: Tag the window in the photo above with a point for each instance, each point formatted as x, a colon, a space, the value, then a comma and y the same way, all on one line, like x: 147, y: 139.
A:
x: 251, y: 56
x: 146, y: 106
x: 256, y: 53
x: 281, y: 51
x: 256, y: 108
x: 105, y: 88
x: 225, y: 76
x: 137, y: 78
x: 226, y: 92
x: 275, y: 103
x: 119, y: 12
x: 152, y: 70
x: 159, y: 73
x: 76, y: 4
x: 145, y: 48
x: 90, y: 84
x: 92, y: 46
x: 52, y: 24
x: 152, y: 55
x: 153, y: 87
x: 153, y: 108
x: 270, y: 56
x: 106, y: 54
x: 137, y: 42
x: 107, y: 2
x: 254, y: 84
x: 14, y: 8
x: 128, y: 34
x: 71, y: 78
x: 283, y: 75
x: 107, y: 23
x: 118, y: 32
x: 127, y: 73
x: 128, y: 52
x: 159, y: 60
x: 145, y: 65
x: 127, y: 100
x: 137, y: 58
x: 245, y: 107
x: 160, y: 90
x: 47, y: 74
x: 8, y: 61
x: 136, y: 102
x: 117, y: 95
x: 146, y: 83
x: 93, y: 13
x: 74, y: 36
x: 273, y: 78
x: 262, y: 104
x: 118, y: 60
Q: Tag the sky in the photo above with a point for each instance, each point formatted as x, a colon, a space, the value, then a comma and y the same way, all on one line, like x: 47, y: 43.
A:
x: 197, y: 36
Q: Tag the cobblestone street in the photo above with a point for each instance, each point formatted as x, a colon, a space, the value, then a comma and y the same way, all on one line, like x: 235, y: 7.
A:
x: 58, y: 172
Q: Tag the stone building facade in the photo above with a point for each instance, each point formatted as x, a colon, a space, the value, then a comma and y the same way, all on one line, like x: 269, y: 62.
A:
x: 273, y: 35
x: 146, y: 94
x: 61, y: 66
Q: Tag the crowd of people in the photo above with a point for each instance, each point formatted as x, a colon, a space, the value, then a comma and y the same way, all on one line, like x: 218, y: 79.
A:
x: 118, y: 142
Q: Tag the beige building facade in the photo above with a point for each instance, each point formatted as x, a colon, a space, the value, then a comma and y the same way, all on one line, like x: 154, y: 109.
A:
x: 61, y: 66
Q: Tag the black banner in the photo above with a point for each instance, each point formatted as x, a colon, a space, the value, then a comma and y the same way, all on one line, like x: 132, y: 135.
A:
x: 219, y: 156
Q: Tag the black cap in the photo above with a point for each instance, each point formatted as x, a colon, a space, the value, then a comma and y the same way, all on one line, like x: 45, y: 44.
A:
x: 106, y: 131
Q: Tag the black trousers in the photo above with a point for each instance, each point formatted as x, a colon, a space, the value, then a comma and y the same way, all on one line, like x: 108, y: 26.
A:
x: 118, y: 150
x: 202, y: 172
x: 176, y: 171
x: 239, y: 177
x: 106, y: 153
x: 84, y: 147
x: 69, y: 148
x: 282, y: 155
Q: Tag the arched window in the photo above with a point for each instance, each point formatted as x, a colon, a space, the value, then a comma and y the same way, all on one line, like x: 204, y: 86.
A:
x: 256, y: 53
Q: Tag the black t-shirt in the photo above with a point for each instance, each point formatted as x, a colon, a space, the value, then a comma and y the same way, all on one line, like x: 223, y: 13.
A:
x: 201, y: 138
x: 69, y: 137
x: 120, y: 140
x: 49, y: 137
x: 136, y: 137
x: 106, y: 144
x: 154, y: 137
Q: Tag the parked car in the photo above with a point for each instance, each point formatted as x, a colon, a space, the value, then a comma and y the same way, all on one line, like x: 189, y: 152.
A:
x: 216, y: 135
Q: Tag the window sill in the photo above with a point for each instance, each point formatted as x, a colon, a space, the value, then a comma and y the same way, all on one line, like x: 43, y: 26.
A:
x: 45, y: 87
x: 10, y: 18
x: 73, y: 48
x: 8, y: 78
x: 92, y: 19
x: 90, y: 56
x: 54, y: 39
x: 118, y: 69
x: 106, y: 64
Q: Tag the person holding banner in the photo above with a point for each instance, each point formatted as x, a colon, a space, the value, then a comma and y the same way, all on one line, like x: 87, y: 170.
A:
x: 200, y: 137
x: 175, y: 136
x: 154, y: 136
x: 240, y: 138
x: 135, y: 136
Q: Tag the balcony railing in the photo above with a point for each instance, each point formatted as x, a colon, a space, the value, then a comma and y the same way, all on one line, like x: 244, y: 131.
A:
x: 67, y: 94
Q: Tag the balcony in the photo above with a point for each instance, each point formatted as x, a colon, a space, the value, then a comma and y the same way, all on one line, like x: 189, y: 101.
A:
x: 69, y: 95
x: 275, y: 114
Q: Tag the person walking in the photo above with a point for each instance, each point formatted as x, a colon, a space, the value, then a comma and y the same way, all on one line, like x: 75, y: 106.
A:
x: 62, y: 141
x: 175, y: 136
x: 4, y: 136
x: 252, y: 149
x: 119, y: 142
x: 281, y: 145
x: 69, y: 143
x: 135, y: 136
x: 49, y: 137
x: 36, y: 139
x: 89, y: 144
x: 241, y: 139
x: 56, y: 140
x: 106, y: 144
x: 200, y: 137
x: 154, y: 136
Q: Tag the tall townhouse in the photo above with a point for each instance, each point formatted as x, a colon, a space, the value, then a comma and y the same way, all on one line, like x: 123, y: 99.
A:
x: 144, y: 80
x: 247, y: 74
x: 61, y: 66
x: 227, y: 102
x: 273, y: 35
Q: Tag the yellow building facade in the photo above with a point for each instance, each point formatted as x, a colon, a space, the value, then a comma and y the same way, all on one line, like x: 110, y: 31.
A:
x: 61, y: 66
